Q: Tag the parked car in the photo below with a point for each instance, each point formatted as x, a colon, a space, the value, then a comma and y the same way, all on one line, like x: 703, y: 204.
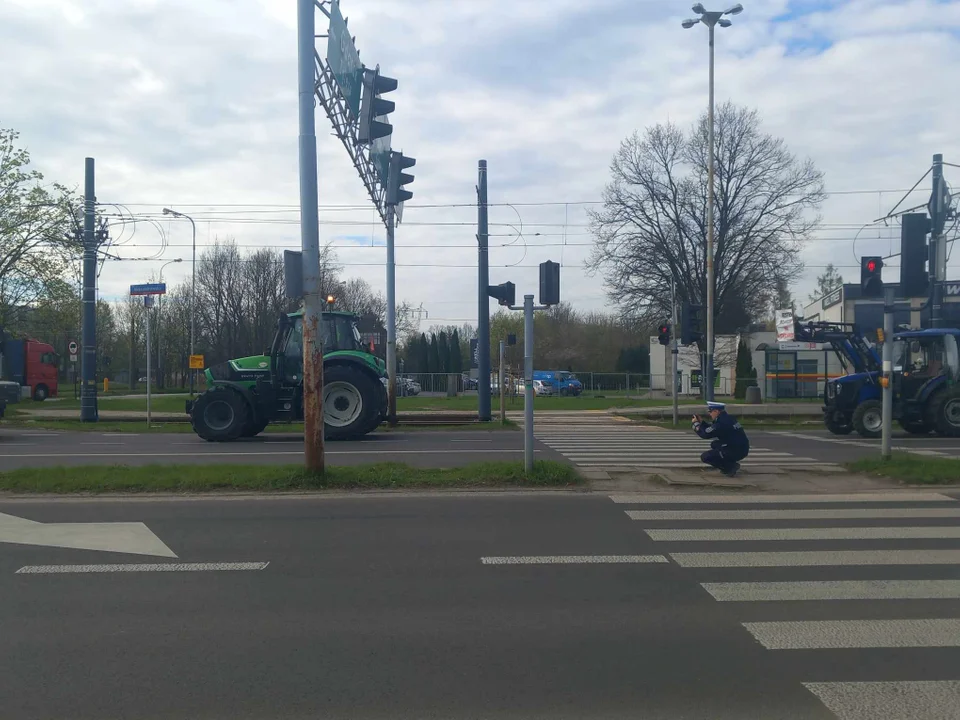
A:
x: 563, y: 383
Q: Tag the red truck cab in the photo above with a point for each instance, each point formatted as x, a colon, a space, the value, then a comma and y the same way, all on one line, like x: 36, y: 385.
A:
x: 33, y: 364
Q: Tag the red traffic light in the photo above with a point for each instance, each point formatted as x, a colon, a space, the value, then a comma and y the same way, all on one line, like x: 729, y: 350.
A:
x: 871, y: 265
x: 664, y: 329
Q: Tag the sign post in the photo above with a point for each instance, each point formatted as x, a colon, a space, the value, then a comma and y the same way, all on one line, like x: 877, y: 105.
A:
x: 147, y: 291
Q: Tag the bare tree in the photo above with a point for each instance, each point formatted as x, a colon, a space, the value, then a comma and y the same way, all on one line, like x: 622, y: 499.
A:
x: 652, y: 227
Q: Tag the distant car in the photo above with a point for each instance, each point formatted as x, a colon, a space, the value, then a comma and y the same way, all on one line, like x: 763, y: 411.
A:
x: 405, y: 386
x: 542, y: 388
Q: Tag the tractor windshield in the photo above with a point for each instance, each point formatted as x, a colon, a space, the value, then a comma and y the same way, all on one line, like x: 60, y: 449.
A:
x: 929, y: 356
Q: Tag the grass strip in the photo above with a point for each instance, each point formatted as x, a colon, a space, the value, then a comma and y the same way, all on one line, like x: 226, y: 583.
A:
x: 265, y: 478
x: 910, y: 468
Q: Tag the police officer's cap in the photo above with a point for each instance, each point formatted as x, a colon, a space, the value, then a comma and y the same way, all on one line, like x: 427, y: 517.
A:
x: 716, y: 406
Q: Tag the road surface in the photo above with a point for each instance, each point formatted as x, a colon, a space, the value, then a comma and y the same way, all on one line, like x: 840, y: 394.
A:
x: 500, y: 606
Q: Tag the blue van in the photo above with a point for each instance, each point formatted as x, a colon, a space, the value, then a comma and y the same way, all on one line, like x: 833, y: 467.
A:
x: 563, y: 383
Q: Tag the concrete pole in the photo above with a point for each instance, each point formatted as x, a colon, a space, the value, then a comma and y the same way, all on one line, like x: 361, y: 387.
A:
x: 310, y: 244
x: 887, y: 429
x: 674, y: 352
x: 528, y: 382
x: 483, y: 282
x: 503, y: 392
x: 88, y: 357
x: 147, y: 305
x: 391, y: 318
x: 710, y: 223
x: 938, y: 254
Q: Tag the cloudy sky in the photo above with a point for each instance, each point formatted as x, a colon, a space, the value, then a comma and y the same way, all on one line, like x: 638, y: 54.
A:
x: 192, y: 104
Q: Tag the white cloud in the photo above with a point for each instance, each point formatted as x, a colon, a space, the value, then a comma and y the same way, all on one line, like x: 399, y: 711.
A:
x: 194, y: 105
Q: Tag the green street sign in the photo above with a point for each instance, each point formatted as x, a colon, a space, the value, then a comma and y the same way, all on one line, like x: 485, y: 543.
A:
x: 344, y: 60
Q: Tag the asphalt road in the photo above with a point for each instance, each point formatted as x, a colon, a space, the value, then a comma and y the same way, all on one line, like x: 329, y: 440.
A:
x: 382, y: 607
x: 23, y: 448
x: 826, y: 447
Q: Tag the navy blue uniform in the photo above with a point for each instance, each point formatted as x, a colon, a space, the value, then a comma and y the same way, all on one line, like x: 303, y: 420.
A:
x: 729, y: 446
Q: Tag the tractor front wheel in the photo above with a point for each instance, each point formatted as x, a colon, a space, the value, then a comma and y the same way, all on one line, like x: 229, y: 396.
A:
x: 868, y: 419
x: 350, y: 407
x: 220, y: 415
x: 838, y: 423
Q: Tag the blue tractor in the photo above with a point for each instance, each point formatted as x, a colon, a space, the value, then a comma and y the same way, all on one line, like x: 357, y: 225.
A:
x: 926, y: 380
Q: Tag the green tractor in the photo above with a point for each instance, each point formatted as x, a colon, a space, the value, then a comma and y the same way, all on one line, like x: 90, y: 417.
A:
x: 247, y: 394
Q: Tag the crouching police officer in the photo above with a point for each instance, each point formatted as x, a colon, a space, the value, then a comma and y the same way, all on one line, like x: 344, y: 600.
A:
x: 730, y: 443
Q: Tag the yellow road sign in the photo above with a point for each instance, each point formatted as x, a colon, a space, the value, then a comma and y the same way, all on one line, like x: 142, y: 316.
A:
x: 196, y: 362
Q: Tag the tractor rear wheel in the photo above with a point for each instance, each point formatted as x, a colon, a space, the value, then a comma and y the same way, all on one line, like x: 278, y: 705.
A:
x: 350, y: 407
x: 220, y: 415
x: 943, y: 412
x: 868, y: 418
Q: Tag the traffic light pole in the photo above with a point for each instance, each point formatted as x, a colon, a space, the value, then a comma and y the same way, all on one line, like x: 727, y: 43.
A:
x: 483, y: 281
x: 887, y: 428
x: 674, y: 352
x: 310, y: 244
x: 391, y: 319
x: 502, y: 375
x: 938, y: 245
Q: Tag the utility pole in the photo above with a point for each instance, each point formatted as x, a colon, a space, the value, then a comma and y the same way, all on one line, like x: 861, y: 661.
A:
x: 674, y: 352
x: 887, y: 382
x: 391, y: 318
x: 938, y: 244
x: 310, y: 243
x: 147, y: 305
x: 88, y: 358
x: 483, y: 320
x: 528, y: 383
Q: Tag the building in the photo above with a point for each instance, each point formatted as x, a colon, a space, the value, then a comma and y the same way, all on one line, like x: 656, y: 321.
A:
x: 689, y: 374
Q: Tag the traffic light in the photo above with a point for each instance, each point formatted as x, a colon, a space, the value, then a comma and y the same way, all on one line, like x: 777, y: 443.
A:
x: 549, y: 283
x: 691, y: 323
x: 664, y: 331
x: 397, y: 178
x: 871, y: 284
x: 914, y: 278
x: 372, y: 106
x: 506, y: 293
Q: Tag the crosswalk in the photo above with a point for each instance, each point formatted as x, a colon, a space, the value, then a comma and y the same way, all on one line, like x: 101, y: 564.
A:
x: 896, y: 592
x: 603, y: 441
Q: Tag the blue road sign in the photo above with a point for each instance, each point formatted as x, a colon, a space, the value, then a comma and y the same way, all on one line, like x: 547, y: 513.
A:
x: 344, y: 60
x: 149, y: 289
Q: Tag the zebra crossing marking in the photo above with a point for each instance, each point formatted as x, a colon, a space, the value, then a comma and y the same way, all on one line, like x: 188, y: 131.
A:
x: 816, y: 558
x: 912, y: 700
x: 837, y: 634
x: 834, y: 590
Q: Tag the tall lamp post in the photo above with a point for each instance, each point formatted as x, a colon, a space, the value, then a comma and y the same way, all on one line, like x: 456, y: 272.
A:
x: 193, y: 286
x: 159, y: 311
x: 711, y: 19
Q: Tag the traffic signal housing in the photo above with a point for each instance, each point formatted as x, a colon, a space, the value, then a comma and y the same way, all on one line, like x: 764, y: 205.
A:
x: 549, y: 283
x: 372, y: 106
x: 397, y: 178
x: 505, y: 294
x: 914, y: 277
x: 691, y: 323
x: 871, y: 282
x: 664, y: 331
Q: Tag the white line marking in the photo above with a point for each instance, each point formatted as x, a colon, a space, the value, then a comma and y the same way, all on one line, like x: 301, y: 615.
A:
x: 834, y: 590
x: 816, y: 558
x: 832, y: 634
x: 912, y: 700
x: 141, y: 567
x: 133, y: 538
x: 572, y: 559
x: 653, y: 498
x: 817, y: 514
x: 833, y: 533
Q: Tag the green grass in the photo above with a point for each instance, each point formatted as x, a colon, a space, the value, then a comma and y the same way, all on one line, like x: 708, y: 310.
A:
x: 911, y: 469
x: 207, y: 478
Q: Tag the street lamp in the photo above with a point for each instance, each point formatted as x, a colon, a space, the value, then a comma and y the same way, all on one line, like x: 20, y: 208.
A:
x: 193, y: 285
x: 710, y: 19
x: 159, y: 312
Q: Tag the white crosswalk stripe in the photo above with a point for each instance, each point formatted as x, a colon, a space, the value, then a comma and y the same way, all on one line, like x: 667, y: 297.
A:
x: 763, y: 538
x: 601, y: 441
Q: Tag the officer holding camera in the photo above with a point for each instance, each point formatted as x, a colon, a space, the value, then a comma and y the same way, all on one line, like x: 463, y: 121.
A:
x: 729, y: 441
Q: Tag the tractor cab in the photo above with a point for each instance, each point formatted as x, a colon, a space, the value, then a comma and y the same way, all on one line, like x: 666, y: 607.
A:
x: 340, y: 334
x: 925, y: 361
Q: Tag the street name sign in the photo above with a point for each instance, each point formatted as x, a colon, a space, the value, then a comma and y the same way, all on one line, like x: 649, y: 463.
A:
x: 149, y: 289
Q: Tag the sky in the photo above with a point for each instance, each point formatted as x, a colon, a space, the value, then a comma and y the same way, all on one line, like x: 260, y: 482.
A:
x: 192, y: 104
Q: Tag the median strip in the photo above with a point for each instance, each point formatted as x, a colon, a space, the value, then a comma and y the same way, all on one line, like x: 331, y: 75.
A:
x: 266, y: 478
x: 139, y: 567
x: 573, y: 559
